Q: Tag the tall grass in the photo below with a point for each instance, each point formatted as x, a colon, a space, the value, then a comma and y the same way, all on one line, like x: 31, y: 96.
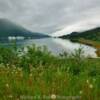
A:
x: 39, y: 75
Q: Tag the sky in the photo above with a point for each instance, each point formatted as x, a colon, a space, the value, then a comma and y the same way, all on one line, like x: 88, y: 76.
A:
x: 56, y: 17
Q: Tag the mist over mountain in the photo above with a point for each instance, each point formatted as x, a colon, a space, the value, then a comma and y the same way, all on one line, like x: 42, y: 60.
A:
x: 8, y: 28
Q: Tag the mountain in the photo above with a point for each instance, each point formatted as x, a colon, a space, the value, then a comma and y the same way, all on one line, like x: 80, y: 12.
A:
x: 90, y: 37
x: 8, y: 28
x: 93, y: 34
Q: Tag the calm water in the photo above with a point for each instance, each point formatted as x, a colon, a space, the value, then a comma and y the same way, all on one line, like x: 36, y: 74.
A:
x: 56, y: 45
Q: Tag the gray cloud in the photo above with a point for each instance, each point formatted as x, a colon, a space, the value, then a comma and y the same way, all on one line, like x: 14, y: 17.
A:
x: 51, y: 16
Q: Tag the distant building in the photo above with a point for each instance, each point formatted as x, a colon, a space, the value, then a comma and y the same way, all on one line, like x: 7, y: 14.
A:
x: 16, y: 38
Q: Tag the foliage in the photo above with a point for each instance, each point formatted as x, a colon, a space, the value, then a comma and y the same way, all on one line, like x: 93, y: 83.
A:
x: 38, y: 73
x: 93, y: 35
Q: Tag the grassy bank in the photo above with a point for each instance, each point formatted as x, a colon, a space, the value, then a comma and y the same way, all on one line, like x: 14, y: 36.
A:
x: 38, y: 75
x: 92, y: 43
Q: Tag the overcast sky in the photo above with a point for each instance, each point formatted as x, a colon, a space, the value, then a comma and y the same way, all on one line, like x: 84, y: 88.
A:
x: 52, y: 16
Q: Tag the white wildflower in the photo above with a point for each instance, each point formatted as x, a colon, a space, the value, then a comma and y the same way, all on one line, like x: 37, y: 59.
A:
x: 91, y: 86
x: 81, y: 92
x: 87, y: 81
x: 53, y: 96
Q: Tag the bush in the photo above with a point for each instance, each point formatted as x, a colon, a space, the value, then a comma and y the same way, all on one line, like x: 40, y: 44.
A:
x: 8, y: 56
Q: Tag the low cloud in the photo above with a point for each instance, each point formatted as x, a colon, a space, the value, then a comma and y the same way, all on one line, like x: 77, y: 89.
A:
x: 52, y: 16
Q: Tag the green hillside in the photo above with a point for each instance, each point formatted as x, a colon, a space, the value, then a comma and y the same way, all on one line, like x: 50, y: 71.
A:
x: 93, y: 35
x: 90, y: 37
x: 8, y: 28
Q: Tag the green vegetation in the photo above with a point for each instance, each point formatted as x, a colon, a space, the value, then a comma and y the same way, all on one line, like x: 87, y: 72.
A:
x: 90, y: 37
x: 39, y: 75
x: 93, y: 35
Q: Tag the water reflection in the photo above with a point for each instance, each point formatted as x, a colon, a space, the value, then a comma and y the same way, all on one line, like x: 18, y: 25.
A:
x: 55, y: 45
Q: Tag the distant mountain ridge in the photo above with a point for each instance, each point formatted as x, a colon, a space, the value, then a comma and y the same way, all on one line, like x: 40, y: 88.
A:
x: 8, y: 28
x: 93, y: 34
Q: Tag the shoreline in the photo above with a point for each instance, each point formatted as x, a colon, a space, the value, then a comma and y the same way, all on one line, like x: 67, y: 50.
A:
x: 90, y: 43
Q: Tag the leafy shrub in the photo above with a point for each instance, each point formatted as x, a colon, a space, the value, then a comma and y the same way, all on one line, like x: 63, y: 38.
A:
x: 36, y: 56
x: 8, y: 56
x: 77, y: 60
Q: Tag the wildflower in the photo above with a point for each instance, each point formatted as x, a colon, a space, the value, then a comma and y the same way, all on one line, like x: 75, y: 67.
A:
x: 13, y: 66
x: 91, y: 86
x: 53, y: 96
x: 10, y: 96
x: 30, y: 75
x: 7, y: 85
x: 7, y: 65
x: 19, y: 69
x: 87, y: 81
x: 14, y: 70
x: 81, y: 92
